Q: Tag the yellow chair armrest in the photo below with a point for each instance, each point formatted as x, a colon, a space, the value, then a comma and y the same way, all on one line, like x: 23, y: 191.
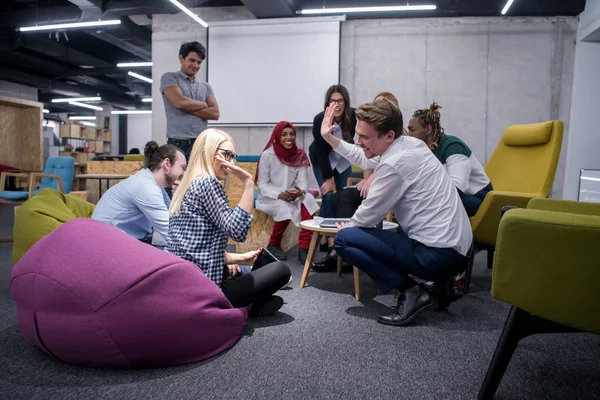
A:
x: 353, y: 181
x: 567, y: 206
x: 485, y: 222
x: 546, y: 263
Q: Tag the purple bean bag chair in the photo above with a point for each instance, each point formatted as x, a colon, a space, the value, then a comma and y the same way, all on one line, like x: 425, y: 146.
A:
x: 89, y: 294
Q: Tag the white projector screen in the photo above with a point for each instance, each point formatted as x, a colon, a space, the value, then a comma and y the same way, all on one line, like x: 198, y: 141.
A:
x: 263, y: 73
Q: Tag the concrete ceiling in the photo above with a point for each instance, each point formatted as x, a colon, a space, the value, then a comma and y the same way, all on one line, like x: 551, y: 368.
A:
x: 83, y: 62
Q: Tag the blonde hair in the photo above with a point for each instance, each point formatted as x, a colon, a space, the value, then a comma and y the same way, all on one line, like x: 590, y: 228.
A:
x: 200, y: 163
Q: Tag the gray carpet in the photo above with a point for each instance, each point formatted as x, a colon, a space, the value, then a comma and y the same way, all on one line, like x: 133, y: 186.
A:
x: 324, y: 344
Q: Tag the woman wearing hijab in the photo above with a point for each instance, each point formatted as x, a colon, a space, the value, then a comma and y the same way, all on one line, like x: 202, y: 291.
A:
x: 282, y: 183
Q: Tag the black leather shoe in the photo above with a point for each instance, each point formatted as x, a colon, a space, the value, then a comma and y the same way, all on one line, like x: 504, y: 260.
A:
x: 411, y: 303
x: 445, y: 292
x: 325, y: 264
x: 302, y: 254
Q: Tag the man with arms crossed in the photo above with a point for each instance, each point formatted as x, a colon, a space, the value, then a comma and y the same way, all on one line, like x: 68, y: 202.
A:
x: 434, y: 234
x: 189, y: 103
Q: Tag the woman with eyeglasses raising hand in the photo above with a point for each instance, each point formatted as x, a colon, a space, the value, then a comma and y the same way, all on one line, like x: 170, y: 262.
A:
x: 201, y: 221
x: 331, y: 170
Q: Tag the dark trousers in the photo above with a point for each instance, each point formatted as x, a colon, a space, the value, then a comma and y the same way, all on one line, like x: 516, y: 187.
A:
x: 257, y: 285
x: 341, y: 179
x: 345, y: 202
x: 472, y: 202
x: 185, y: 145
x: 390, y: 257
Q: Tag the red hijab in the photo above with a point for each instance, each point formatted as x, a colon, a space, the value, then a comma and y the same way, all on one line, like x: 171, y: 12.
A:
x: 294, y: 157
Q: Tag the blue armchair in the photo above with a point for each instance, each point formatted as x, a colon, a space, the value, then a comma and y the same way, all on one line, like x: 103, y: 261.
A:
x: 58, y: 174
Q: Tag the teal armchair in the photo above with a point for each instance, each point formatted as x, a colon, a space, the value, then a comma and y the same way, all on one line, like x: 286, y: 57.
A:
x: 547, y: 267
x: 58, y: 174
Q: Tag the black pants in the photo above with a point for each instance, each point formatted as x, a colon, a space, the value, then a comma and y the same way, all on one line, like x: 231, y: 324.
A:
x: 185, y: 145
x: 346, y: 202
x: 256, y: 286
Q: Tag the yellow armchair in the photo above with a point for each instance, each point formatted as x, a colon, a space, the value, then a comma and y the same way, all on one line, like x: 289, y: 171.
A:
x: 547, y: 269
x: 521, y: 168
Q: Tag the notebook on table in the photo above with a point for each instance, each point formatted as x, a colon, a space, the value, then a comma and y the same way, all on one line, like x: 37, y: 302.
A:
x: 330, y: 222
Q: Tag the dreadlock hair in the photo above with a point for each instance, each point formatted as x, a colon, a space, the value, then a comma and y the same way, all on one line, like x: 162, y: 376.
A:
x: 431, y: 117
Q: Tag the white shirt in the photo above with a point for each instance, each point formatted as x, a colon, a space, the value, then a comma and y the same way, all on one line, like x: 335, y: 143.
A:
x: 275, y: 177
x: 336, y: 161
x: 411, y: 182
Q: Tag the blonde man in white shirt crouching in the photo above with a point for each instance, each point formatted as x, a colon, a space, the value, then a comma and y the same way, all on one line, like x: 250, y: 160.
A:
x: 434, y: 236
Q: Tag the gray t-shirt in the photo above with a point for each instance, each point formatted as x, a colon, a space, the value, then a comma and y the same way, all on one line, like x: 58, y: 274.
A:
x: 180, y: 124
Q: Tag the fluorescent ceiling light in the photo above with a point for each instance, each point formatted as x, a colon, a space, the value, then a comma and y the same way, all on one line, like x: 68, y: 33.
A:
x: 142, y: 77
x: 147, y: 100
x: 345, y: 10
x: 132, y: 112
x: 82, y: 118
x: 507, y: 6
x: 91, y: 107
x: 70, y: 25
x: 46, y: 111
x: 135, y: 64
x: 88, y: 124
x: 67, y: 100
x: 188, y: 12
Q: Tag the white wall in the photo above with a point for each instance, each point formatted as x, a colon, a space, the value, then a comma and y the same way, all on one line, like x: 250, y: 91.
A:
x: 139, y: 131
x: 19, y: 91
x: 584, y: 130
x: 487, y: 73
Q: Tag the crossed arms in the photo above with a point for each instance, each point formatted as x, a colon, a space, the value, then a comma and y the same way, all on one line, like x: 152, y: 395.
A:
x: 208, y: 109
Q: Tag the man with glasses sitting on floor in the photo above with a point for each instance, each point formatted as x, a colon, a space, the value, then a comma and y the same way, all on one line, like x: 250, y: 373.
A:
x: 434, y: 236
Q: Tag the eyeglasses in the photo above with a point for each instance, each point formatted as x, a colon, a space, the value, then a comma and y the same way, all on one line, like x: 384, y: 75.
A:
x: 340, y: 102
x: 228, y: 154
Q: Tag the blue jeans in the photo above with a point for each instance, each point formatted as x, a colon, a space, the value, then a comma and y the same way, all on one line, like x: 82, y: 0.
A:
x: 472, y: 202
x: 341, y: 181
x: 244, y: 269
x: 389, y: 257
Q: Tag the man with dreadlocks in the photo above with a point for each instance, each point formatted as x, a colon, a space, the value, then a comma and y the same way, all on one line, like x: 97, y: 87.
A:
x: 464, y: 169
x: 434, y: 236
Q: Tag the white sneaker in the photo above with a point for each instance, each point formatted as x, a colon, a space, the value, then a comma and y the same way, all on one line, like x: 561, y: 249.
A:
x: 288, y: 284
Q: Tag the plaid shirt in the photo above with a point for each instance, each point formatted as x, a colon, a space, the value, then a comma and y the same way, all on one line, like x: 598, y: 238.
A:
x: 199, y: 232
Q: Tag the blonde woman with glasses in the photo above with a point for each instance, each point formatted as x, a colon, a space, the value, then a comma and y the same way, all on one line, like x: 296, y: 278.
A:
x: 201, y: 221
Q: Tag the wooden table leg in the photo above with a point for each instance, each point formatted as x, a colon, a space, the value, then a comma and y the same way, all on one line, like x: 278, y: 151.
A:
x: 312, y: 251
x: 339, y: 266
x: 356, y: 284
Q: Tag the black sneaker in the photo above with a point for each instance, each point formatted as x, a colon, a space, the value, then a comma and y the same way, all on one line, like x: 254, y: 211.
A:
x: 265, y: 308
x: 277, y: 252
x: 446, y: 292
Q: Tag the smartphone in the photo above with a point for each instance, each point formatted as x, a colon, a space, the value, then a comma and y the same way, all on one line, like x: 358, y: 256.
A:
x: 265, y: 257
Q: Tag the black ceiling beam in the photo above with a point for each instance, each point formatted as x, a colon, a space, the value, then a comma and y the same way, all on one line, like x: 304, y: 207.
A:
x: 53, y: 68
x: 122, y: 44
x: 56, y: 50
x: 47, y: 84
x: 270, y: 9
x: 117, y: 9
x: 41, y: 16
x: 94, y: 71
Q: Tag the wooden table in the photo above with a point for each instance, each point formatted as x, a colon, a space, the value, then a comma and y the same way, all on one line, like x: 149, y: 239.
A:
x: 313, y: 225
x: 100, y: 177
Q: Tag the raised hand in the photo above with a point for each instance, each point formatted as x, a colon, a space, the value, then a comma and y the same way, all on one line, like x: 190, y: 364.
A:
x: 233, y: 169
x: 327, y: 125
